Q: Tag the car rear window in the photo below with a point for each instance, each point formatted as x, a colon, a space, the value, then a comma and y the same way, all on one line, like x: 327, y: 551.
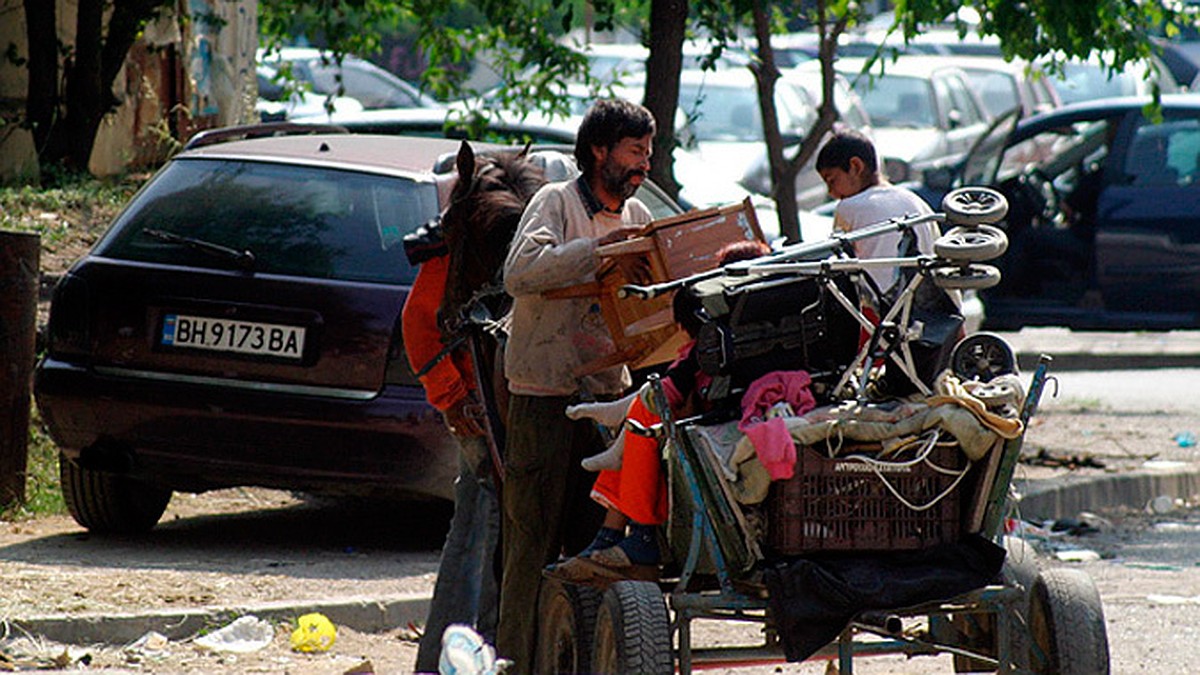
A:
x: 297, y: 221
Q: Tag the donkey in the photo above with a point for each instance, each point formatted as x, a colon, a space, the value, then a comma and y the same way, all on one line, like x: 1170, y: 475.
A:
x: 486, y: 203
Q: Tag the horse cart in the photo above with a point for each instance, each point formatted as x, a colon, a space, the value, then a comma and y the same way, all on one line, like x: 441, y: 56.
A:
x: 860, y: 550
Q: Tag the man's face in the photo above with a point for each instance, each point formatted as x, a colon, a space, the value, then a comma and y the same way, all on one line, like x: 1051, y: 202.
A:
x: 623, y: 168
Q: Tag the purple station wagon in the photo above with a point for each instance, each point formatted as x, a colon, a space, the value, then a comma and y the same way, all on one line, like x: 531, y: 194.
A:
x: 239, y: 324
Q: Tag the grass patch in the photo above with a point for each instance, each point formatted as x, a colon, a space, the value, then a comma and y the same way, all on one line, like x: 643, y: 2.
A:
x: 68, y: 217
x: 43, y: 495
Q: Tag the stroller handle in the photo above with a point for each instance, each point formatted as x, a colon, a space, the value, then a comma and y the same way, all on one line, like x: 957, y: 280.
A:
x: 796, y: 252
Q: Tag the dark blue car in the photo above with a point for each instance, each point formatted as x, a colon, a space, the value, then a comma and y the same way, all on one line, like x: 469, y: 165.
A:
x: 1104, y: 215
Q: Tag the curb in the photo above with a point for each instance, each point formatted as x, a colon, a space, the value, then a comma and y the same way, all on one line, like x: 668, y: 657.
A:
x: 364, y: 615
x: 1067, y: 496
x: 1028, y: 360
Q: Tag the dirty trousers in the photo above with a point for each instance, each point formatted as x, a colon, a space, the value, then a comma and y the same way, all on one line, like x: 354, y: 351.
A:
x: 467, y: 588
x: 547, y: 511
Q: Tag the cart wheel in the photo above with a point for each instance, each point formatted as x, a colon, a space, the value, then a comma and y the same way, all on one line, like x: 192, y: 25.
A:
x: 974, y: 206
x: 566, y: 622
x: 966, y: 277
x: 971, y: 244
x: 981, y: 357
x: 633, y: 631
x: 1066, y: 622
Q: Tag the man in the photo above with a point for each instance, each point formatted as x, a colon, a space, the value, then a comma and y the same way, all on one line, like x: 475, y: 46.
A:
x: 546, y: 506
x: 466, y: 591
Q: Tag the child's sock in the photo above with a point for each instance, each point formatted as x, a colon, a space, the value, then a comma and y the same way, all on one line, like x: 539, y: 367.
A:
x: 641, y: 545
x: 606, y: 537
x: 610, y: 459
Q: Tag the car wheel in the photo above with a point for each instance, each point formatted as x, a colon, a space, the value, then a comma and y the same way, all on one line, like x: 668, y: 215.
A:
x: 109, y: 503
x: 974, y: 206
x: 966, y: 277
x: 971, y: 244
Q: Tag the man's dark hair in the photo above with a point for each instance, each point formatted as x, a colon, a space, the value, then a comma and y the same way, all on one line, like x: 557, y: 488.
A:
x: 607, y: 122
x: 844, y: 145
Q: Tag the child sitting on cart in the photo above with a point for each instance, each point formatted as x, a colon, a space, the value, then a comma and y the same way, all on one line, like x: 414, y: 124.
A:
x: 631, y: 485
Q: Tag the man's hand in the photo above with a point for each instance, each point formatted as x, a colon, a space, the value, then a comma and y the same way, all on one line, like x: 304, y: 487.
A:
x: 465, y: 417
x: 620, y: 234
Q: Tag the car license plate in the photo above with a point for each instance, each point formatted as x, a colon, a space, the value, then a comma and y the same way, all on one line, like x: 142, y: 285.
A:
x: 225, y: 335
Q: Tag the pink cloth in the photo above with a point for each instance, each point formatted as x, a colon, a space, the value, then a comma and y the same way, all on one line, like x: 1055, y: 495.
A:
x: 772, y: 442
x: 774, y: 447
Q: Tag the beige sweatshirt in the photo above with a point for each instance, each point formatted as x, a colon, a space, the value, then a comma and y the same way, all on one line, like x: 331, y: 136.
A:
x: 555, y: 248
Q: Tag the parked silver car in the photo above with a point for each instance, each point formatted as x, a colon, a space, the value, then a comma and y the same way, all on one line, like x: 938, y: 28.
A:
x: 923, y: 111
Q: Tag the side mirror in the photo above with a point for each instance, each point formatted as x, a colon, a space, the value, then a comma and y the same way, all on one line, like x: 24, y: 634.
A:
x: 954, y: 117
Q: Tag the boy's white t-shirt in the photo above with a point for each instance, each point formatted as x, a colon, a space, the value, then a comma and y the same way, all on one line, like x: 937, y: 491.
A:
x: 878, y: 204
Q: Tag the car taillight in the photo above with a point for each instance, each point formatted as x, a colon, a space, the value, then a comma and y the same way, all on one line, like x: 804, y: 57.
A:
x: 69, y: 327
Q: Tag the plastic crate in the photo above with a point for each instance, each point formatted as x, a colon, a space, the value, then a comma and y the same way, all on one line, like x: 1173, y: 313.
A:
x: 842, y: 505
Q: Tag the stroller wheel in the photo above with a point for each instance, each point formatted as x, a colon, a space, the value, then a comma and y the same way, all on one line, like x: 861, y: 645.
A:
x: 971, y: 244
x: 981, y: 357
x: 966, y: 277
x: 974, y: 206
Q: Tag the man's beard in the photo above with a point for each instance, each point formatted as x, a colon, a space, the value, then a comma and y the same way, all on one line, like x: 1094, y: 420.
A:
x: 619, y: 183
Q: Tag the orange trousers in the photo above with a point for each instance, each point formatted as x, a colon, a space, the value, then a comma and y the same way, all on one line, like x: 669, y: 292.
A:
x: 639, y: 488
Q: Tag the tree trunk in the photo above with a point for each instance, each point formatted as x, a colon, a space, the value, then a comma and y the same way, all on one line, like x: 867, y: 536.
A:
x: 668, y: 20
x: 766, y: 74
x: 41, y: 101
x: 65, y: 119
x: 85, y: 105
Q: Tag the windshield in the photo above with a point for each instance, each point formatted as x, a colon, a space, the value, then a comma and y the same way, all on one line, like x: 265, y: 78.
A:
x: 725, y: 113
x: 299, y: 221
x: 896, y: 101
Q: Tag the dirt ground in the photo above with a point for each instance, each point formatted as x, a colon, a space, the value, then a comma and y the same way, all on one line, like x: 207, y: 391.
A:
x: 247, y: 546
x: 228, y: 548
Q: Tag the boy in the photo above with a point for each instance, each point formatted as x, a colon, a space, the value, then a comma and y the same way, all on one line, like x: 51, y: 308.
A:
x: 850, y: 168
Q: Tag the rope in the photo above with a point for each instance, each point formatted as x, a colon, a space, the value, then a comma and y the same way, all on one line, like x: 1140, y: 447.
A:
x: 922, y: 457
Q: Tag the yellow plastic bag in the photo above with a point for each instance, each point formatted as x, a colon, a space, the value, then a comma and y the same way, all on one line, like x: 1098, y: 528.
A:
x: 315, y: 633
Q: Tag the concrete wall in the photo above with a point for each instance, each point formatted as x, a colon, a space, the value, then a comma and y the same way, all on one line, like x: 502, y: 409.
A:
x: 192, y: 70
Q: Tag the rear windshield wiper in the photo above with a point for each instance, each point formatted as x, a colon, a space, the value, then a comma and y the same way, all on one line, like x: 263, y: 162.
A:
x: 244, y: 258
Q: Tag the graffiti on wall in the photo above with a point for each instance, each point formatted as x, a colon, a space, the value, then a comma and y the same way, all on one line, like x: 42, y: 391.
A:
x: 221, y: 46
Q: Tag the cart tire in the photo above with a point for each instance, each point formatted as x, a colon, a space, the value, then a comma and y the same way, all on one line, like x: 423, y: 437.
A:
x: 1066, y: 622
x: 966, y: 277
x: 974, y: 206
x: 566, y: 623
x: 971, y: 244
x: 633, y: 631
x: 982, y: 357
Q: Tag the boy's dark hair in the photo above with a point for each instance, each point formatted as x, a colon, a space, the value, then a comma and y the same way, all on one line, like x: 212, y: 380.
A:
x: 605, y: 124
x: 844, y: 145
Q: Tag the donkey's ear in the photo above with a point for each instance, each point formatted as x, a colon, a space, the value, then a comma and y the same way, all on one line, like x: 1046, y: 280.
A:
x: 466, y: 160
x: 525, y: 150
